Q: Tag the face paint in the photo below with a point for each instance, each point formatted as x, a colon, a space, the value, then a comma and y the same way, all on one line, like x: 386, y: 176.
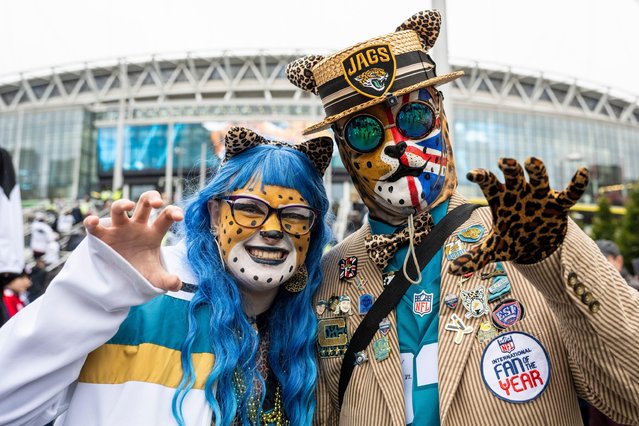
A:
x: 265, y: 257
x: 401, y: 176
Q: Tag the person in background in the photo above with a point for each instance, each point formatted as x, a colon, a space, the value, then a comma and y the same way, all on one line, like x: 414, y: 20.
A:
x: 39, y: 280
x: 65, y: 222
x: 11, y: 226
x: 14, y: 291
x: 614, y: 256
x: 77, y: 214
x: 41, y: 235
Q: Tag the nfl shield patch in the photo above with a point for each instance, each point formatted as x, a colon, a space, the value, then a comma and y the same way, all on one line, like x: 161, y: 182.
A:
x: 506, y: 344
x: 422, y: 303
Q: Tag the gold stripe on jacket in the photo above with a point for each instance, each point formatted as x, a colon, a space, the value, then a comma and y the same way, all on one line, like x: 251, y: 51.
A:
x: 591, y: 355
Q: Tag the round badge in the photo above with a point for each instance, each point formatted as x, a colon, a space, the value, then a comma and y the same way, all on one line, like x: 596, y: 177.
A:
x: 515, y: 367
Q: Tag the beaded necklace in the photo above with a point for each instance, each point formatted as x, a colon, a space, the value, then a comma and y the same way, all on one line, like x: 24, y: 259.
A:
x: 271, y: 411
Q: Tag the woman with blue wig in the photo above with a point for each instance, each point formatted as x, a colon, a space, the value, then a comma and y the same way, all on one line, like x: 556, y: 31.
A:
x: 217, y: 329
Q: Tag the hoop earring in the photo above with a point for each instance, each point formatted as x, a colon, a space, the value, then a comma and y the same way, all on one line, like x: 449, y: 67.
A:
x: 213, y: 233
x: 298, y: 281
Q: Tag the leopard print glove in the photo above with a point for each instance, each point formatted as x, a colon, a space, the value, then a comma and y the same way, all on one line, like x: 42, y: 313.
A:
x: 529, y: 218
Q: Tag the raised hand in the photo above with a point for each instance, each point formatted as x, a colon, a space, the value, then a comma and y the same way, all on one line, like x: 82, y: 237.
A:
x: 529, y: 218
x: 137, y: 240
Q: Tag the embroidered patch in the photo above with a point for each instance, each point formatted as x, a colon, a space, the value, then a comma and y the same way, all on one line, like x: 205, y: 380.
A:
x: 332, y: 337
x: 507, y: 313
x: 472, y: 234
x: 370, y: 70
x: 515, y: 367
x: 422, y: 303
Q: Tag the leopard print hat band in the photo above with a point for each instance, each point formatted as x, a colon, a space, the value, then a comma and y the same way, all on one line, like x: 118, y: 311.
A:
x: 367, y: 73
x: 318, y: 150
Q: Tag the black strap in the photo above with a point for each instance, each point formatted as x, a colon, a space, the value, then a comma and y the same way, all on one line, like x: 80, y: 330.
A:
x: 391, y: 296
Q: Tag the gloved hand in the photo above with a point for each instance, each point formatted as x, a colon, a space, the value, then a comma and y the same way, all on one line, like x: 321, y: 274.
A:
x: 529, y: 218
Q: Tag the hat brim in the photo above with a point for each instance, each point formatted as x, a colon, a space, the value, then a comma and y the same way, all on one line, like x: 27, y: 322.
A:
x: 436, y: 81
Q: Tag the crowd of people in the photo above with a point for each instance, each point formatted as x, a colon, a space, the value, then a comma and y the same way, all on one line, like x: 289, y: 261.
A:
x: 51, y: 230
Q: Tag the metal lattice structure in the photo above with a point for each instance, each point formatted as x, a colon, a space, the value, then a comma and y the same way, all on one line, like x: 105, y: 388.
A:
x: 194, y: 88
x: 501, y: 86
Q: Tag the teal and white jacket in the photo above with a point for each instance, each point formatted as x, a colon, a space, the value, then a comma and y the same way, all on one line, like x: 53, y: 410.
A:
x: 101, y: 347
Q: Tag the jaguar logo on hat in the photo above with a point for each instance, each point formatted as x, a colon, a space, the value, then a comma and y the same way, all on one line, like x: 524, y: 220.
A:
x: 363, y: 75
x: 370, y: 70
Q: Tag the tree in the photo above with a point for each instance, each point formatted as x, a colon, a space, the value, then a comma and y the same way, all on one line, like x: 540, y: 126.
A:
x: 628, y: 240
x: 604, y: 224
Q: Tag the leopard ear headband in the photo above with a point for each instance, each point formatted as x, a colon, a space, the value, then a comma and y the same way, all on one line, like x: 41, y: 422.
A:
x: 318, y: 150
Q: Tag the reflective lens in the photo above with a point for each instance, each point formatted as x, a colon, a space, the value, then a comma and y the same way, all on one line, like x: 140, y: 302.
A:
x: 364, y: 133
x: 415, y: 120
x: 252, y: 213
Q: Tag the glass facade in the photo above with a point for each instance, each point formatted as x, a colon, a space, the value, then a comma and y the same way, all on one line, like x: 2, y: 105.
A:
x: 564, y: 143
x: 53, y: 150
x: 62, y: 155
x: 145, y: 148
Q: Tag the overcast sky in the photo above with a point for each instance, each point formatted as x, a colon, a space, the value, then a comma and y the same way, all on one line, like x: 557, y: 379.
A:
x: 589, y: 40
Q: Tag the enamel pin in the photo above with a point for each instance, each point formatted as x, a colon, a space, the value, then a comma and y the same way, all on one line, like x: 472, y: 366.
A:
x: 507, y: 313
x: 387, y: 278
x: 344, y: 305
x: 451, y: 300
x: 486, y: 332
x: 381, y: 348
x: 348, y: 268
x: 474, y: 301
x: 457, y: 325
x: 384, y: 326
x: 454, y: 250
x: 365, y: 303
x: 500, y: 285
x: 472, y: 234
x: 320, y: 307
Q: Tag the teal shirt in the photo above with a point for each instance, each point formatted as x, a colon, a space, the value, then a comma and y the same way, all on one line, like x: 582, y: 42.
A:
x: 417, y: 326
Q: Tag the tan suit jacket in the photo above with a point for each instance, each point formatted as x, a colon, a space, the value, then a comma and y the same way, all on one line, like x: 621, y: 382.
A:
x: 591, y: 355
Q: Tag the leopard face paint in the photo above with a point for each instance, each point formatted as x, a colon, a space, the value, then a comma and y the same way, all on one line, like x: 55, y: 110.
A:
x: 401, y: 176
x: 265, y: 257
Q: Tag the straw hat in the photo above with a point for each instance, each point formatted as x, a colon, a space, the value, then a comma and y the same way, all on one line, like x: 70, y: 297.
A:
x: 373, y: 71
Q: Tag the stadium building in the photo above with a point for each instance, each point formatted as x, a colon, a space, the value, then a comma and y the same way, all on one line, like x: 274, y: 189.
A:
x: 156, y: 122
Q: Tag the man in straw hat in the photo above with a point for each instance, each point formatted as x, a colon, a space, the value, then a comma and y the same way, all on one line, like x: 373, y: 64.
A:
x: 516, y: 312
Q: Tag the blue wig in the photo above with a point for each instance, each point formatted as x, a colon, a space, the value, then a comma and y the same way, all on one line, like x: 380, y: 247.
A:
x: 292, y: 323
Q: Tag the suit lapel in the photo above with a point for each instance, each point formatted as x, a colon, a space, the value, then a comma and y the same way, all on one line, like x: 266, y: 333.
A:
x: 452, y: 358
x: 388, y: 373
